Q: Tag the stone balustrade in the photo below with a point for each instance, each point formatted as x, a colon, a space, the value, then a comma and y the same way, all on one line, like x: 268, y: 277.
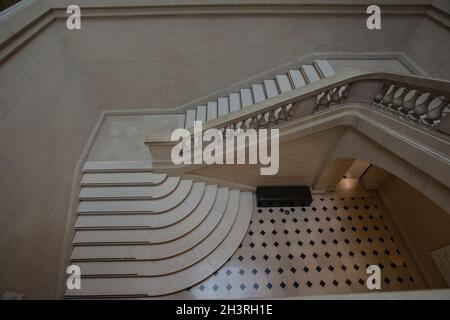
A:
x: 416, y: 101
x: 426, y: 107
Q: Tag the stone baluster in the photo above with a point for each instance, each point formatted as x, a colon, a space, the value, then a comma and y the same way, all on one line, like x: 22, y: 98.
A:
x: 244, y: 124
x: 388, y: 98
x: 380, y: 95
x: 291, y: 111
x: 282, y: 115
x: 398, y: 101
x: 435, y: 113
x: 262, y: 121
x: 410, y: 104
x: 334, y: 96
x: 421, y: 108
x: 345, y: 92
x: 272, y: 119
x: 323, y: 101
x: 253, y: 124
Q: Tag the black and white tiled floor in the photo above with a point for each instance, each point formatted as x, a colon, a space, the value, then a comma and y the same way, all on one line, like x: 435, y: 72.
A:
x: 321, y: 249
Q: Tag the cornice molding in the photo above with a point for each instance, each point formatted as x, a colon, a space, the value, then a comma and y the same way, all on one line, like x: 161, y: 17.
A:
x: 33, y: 23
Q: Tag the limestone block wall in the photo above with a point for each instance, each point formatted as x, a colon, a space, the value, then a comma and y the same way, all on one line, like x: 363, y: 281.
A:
x: 164, y: 61
x: 47, y: 112
x: 429, y: 47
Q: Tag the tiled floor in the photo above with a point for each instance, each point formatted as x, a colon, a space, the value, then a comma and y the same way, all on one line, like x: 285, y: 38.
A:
x: 322, y: 249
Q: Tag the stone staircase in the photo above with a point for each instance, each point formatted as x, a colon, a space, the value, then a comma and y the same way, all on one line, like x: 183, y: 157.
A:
x: 281, y: 83
x: 140, y: 234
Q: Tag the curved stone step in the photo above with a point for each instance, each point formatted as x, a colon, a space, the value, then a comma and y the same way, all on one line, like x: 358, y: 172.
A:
x: 152, y: 236
x: 145, y: 221
x: 171, y: 236
x: 137, y: 206
x: 122, y: 179
x: 129, y: 286
x: 130, y: 192
x: 117, y: 166
x: 159, y: 235
x: 170, y: 264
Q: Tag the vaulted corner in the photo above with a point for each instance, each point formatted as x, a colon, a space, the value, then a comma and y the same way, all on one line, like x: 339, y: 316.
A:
x: 134, y: 136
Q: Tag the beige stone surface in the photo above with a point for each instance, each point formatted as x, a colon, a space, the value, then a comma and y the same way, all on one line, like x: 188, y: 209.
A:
x: 162, y: 62
x: 423, y: 224
x: 382, y: 65
x: 47, y: 112
x: 122, y: 137
x: 429, y: 47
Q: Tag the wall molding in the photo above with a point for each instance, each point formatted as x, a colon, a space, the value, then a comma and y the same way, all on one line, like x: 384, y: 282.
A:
x: 40, y: 18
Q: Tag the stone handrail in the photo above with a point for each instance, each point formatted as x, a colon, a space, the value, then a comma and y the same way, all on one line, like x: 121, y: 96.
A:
x: 419, y: 101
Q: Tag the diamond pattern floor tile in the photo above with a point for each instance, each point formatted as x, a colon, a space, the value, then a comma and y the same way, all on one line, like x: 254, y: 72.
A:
x: 321, y: 249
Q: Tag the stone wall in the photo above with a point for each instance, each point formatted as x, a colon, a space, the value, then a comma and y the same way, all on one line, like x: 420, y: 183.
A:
x: 429, y: 47
x: 46, y: 114
x: 163, y: 62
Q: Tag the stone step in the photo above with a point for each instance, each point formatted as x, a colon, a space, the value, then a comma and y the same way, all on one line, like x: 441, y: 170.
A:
x: 174, y: 263
x: 143, y: 220
x: 212, y: 111
x: 297, y: 78
x: 235, y: 102
x: 117, y: 166
x: 201, y: 113
x: 311, y: 73
x: 146, y: 245
x: 122, y: 179
x: 223, y: 106
x: 190, y: 118
x: 271, y: 88
x: 147, y: 286
x: 138, y: 206
x: 284, y: 84
x: 258, y: 92
x: 130, y: 192
x: 324, y: 67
